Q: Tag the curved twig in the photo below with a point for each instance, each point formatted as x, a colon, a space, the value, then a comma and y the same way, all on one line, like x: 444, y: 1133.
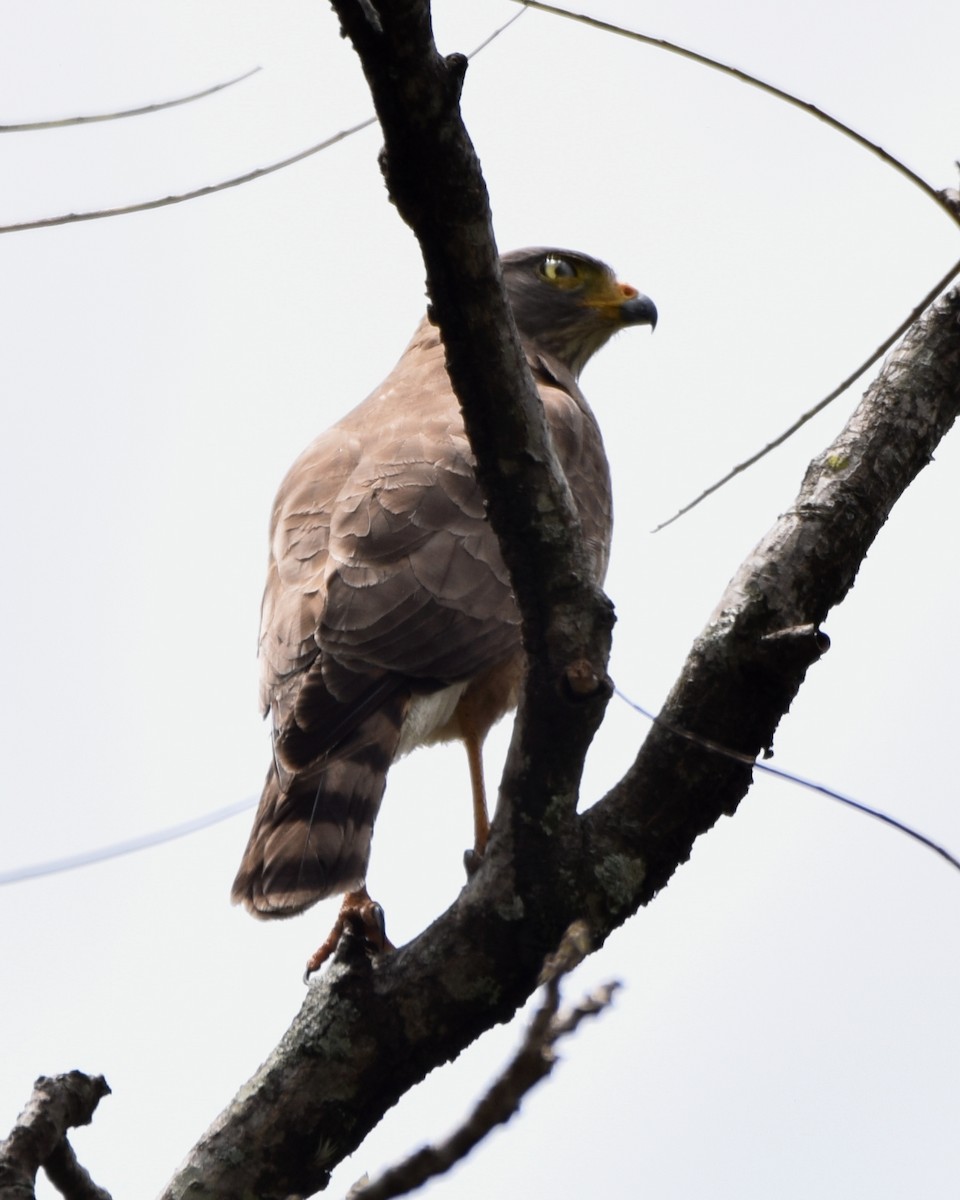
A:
x: 163, y: 202
x: 39, y: 1138
x: 884, y: 346
x: 368, y: 1032
x: 209, y: 189
x: 63, y: 122
x: 940, y: 199
x: 944, y: 199
x: 533, y: 1061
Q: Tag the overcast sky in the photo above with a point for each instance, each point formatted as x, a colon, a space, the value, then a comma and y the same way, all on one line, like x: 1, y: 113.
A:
x: 788, y: 1023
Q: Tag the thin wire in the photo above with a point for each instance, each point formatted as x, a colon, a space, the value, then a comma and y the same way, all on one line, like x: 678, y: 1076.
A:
x: 496, y: 33
x: 811, y: 785
x: 147, y: 840
x: 209, y: 189
x: 942, y: 200
x: 62, y: 122
x: 186, y: 828
x: 884, y: 346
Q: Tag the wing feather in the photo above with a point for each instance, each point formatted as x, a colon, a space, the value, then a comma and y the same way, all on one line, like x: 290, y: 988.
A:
x: 385, y: 582
x: 382, y: 559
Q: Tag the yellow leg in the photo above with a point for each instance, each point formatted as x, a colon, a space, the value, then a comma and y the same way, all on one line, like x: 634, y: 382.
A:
x: 481, y: 819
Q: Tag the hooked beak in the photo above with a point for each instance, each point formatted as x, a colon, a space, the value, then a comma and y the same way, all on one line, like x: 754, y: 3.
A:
x: 639, y: 310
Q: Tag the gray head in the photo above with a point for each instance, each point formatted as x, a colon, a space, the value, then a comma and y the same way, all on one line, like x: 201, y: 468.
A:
x: 569, y: 304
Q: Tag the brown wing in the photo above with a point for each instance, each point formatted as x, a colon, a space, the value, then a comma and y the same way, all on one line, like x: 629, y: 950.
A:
x: 382, y: 560
x: 385, y: 580
x: 578, y: 445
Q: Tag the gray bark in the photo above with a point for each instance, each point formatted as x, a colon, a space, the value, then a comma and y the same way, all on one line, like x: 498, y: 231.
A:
x: 367, y: 1032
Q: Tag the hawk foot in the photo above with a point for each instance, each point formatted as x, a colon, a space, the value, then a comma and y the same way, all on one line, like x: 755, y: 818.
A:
x: 359, y: 916
x: 472, y: 859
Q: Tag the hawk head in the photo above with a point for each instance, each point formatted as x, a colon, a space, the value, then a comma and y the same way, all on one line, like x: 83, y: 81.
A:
x: 568, y: 304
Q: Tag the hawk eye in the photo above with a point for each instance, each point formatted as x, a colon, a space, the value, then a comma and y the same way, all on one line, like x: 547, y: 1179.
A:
x: 556, y: 269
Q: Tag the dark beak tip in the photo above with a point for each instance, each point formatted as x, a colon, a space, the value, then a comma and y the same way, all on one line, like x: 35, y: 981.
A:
x: 640, y: 310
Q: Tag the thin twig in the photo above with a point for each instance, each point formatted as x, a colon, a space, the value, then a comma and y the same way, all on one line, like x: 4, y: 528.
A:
x: 942, y: 201
x: 62, y: 122
x: 71, y: 218
x: 71, y: 1179
x: 534, y: 1061
x: 945, y: 200
x: 493, y: 36
x: 248, y: 177
x: 884, y: 346
x: 57, y: 1104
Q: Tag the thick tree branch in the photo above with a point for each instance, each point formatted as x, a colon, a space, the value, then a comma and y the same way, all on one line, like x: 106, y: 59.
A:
x: 748, y: 664
x: 533, y: 1062
x: 368, y: 1031
x: 434, y: 178
x: 39, y: 1138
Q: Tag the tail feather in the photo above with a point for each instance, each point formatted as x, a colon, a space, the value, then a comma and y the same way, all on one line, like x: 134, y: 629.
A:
x: 311, y: 835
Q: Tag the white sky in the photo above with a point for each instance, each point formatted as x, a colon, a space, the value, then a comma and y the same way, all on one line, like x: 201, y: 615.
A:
x: 788, y: 1025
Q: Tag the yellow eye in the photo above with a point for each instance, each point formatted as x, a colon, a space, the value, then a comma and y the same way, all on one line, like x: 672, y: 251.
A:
x: 557, y: 270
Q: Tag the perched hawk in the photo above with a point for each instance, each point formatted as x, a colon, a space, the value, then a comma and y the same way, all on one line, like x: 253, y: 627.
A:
x: 388, y: 621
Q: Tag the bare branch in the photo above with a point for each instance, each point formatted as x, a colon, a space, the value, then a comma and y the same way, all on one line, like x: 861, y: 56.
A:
x: 743, y: 673
x: 941, y: 200
x: 566, y: 620
x: 209, y: 189
x: 63, y: 122
x: 39, y: 1138
x: 69, y: 1177
x: 944, y: 199
x: 368, y: 1031
x: 533, y: 1062
x: 875, y: 357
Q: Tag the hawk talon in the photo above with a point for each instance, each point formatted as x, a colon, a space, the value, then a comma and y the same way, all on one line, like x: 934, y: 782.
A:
x: 471, y: 862
x: 359, y: 917
x: 370, y: 924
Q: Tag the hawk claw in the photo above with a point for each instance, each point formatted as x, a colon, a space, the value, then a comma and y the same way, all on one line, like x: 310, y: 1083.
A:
x: 371, y: 925
x: 361, y: 917
x: 472, y: 859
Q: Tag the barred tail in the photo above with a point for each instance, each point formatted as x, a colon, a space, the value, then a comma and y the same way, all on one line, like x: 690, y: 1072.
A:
x: 311, y: 835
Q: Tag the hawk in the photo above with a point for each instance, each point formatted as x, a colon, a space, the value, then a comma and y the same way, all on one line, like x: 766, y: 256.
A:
x: 387, y: 620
